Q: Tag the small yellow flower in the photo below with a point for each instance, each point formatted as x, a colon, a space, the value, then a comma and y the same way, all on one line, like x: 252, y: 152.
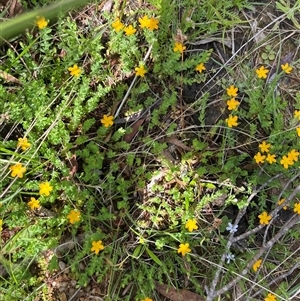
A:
x: 129, y: 30
x: 179, y: 47
x: 147, y: 299
x: 297, y: 208
x: 200, y: 67
x: 97, y: 246
x: 140, y: 71
x: 17, y: 170
x: 75, y: 70
x: 298, y: 131
x: 45, y: 188
x: 232, y: 104
x: 231, y: 121
x: 117, y: 25
x: 280, y: 202
x: 286, y: 161
x: 107, y: 120
x: 144, y: 22
x: 259, y: 158
x: 183, y: 249
x: 264, y: 218
x: 191, y: 225
x: 297, y: 114
x: 232, y: 91
x: 34, y: 204
x: 271, y: 158
x: 256, y: 265
x: 286, y: 68
x: 264, y: 147
x: 270, y: 297
x: 152, y: 24
x: 262, y: 72
x: 1, y: 224
x: 23, y: 143
x: 293, y: 155
x: 74, y: 216
x: 41, y: 22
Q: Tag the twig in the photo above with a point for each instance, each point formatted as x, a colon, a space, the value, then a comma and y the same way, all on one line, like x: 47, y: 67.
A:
x: 294, y: 220
x: 211, y: 294
x: 289, y: 272
x: 273, y: 213
x: 231, y: 239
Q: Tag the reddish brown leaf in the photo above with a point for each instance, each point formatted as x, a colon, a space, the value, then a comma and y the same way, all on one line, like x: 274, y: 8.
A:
x: 134, y: 129
x: 9, y: 78
x: 178, y: 143
x: 14, y: 7
x: 177, y: 294
x: 73, y: 165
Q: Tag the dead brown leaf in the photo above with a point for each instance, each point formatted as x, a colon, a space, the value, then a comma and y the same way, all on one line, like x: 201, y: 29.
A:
x: 134, y: 129
x: 177, y: 294
x: 73, y: 165
x: 9, y: 78
x: 13, y: 6
x: 178, y: 143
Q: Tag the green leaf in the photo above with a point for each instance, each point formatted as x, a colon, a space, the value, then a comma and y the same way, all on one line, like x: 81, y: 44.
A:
x: 16, y: 26
x: 154, y: 257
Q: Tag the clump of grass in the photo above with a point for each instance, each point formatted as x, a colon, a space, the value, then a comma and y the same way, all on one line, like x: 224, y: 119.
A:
x: 103, y: 168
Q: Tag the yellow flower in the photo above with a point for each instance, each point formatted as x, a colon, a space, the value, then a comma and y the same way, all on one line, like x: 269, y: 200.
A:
x: 232, y: 104
x: 179, y: 47
x: 231, y: 121
x: 23, y: 143
x: 280, y: 202
x: 140, y: 71
x: 271, y: 158
x: 74, y: 216
x: 298, y: 131
x: 286, y: 68
x: 191, y: 225
x: 75, y: 70
x: 41, y: 22
x: 264, y: 147
x: 297, y: 114
x: 45, y: 188
x: 293, y: 155
x: 117, y: 25
x: 147, y: 299
x: 259, y: 158
x: 262, y: 72
x: 200, y: 67
x: 297, y: 208
x: 34, y: 204
x: 152, y: 24
x: 129, y: 30
x: 286, y: 161
x: 17, y: 170
x: 1, y: 224
x: 183, y: 249
x: 97, y: 246
x: 270, y: 297
x: 256, y: 265
x: 232, y: 91
x: 107, y: 120
x: 144, y: 22
x: 264, y: 218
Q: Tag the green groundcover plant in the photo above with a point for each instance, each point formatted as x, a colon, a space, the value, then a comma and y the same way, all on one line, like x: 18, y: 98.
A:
x: 104, y: 172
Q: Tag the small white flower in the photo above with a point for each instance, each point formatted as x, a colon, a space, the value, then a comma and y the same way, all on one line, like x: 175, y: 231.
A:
x: 232, y: 228
x: 229, y: 257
